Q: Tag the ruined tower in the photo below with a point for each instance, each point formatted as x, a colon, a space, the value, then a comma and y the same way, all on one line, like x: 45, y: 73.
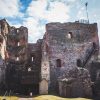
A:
x: 22, y: 59
x: 69, y: 46
x: 17, y: 41
x: 16, y: 55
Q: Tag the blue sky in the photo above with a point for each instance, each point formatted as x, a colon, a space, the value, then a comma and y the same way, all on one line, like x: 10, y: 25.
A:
x: 34, y: 14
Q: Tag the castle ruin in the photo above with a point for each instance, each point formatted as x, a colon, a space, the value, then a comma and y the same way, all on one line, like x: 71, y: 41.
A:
x: 61, y: 63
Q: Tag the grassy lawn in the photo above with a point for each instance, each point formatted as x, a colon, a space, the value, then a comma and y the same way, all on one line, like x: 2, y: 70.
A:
x: 42, y: 97
x: 51, y: 97
x: 8, y: 98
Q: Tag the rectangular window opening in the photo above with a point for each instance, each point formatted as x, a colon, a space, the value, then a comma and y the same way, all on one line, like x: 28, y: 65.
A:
x: 58, y: 62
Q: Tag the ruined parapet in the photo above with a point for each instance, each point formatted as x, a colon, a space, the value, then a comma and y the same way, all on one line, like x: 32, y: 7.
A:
x: 75, y: 32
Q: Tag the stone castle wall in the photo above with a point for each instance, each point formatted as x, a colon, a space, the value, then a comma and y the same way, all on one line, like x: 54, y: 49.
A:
x: 68, y: 50
x: 14, y: 41
x: 52, y: 59
x: 17, y: 41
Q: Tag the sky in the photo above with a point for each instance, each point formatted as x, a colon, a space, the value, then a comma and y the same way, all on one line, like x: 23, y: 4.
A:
x: 34, y: 14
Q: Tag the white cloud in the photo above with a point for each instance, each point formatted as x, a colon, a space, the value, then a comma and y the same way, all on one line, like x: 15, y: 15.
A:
x: 82, y: 13
x: 49, y: 10
x: 42, y: 9
x: 33, y: 29
x: 37, y: 8
x: 9, y: 8
x: 65, y: 1
x: 58, y: 11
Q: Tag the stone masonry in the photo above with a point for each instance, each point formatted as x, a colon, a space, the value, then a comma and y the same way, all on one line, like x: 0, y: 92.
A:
x: 65, y: 44
x: 62, y: 58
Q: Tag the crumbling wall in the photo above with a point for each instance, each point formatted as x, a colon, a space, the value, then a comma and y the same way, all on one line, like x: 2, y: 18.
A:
x: 13, y: 40
x: 75, y: 85
x: 17, y: 41
x: 23, y: 60
x: 34, y: 60
x: 4, y: 27
x: 13, y: 46
x: 95, y: 77
x: 4, y: 30
x: 69, y: 48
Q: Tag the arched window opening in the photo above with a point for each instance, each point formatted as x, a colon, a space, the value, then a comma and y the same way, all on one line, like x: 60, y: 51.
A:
x: 69, y: 35
x: 94, y: 45
x: 32, y: 58
x: 47, y: 49
x: 18, y: 43
x: 58, y: 62
x: 44, y: 53
x: 17, y: 30
x: 17, y: 58
x: 79, y: 63
x: 29, y: 69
